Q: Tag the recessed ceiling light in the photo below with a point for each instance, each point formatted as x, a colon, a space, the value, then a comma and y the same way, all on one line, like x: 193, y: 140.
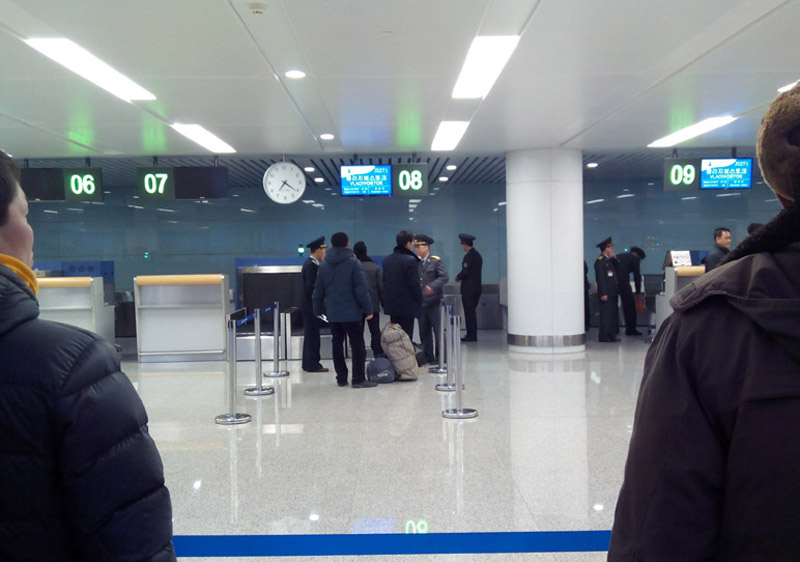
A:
x: 486, y: 58
x: 688, y: 198
x: 319, y: 180
x: 326, y: 136
x: 85, y: 64
x: 309, y: 169
x: 204, y: 138
x: 444, y: 178
x: 593, y: 201
x: 449, y: 134
x: 295, y: 74
x: 692, y: 131
x: 626, y: 195
x: 501, y: 203
x: 451, y: 167
x: 592, y: 165
x: 415, y: 200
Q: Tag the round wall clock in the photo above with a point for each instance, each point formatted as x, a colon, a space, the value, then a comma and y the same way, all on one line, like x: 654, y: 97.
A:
x: 284, y: 182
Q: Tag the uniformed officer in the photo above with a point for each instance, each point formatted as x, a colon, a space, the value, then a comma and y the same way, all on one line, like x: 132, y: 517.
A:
x: 311, y: 357
x: 432, y: 277
x: 471, y: 285
x: 605, y: 272
x: 627, y: 263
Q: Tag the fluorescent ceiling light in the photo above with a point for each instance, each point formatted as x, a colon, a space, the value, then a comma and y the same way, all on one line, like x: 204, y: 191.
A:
x: 203, y: 137
x: 688, y: 198
x: 728, y: 194
x: 486, y: 58
x: 592, y: 165
x: 319, y: 180
x: 85, y: 64
x: 787, y: 87
x: 244, y: 210
x: 449, y: 135
x: 501, y: 203
x: 625, y: 195
x: 295, y: 74
x: 326, y: 136
x: 692, y: 131
x: 443, y: 178
x: 308, y: 169
x: 593, y: 201
x: 451, y: 167
x: 415, y: 200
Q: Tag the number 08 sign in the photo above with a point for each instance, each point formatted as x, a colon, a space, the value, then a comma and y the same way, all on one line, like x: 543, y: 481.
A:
x: 409, y: 180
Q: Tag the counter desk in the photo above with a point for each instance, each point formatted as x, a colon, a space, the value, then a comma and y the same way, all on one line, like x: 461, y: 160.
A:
x: 181, y: 317
x: 675, y: 279
x: 77, y: 301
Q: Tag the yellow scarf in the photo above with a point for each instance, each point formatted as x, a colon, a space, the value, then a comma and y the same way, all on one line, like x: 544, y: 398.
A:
x: 22, y: 270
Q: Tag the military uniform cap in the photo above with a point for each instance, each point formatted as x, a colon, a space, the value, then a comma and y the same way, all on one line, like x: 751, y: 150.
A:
x: 468, y: 238
x: 638, y: 250
x: 422, y: 239
x: 314, y: 245
x: 607, y: 242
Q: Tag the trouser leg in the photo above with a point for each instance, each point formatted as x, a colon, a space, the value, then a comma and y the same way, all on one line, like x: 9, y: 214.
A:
x: 407, y: 323
x: 355, y: 333
x: 337, y: 342
x: 628, y: 308
x: 470, y: 304
x: 375, y: 334
x: 311, y: 342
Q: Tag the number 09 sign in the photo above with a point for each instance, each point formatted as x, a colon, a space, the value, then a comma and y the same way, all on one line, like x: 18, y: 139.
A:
x: 409, y: 180
x: 681, y: 174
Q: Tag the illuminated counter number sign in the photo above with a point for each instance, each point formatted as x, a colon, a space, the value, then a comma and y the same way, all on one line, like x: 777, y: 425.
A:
x: 83, y: 184
x: 409, y: 180
x: 156, y: 183
x: 681, y: 174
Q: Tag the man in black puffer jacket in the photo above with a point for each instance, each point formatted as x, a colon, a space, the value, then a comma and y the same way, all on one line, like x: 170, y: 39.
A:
x: 80, y: 477
x: 401, y: 289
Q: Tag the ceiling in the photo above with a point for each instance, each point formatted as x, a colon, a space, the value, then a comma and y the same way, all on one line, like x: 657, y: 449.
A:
x: 603, y: 77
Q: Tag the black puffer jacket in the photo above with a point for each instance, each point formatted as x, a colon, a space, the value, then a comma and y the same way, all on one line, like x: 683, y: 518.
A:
x: 401, y: 290
x: 713, y: 470
x: 80, y: 477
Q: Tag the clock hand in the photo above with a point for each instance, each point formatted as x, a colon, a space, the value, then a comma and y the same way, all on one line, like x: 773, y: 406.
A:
x: 289, y: 185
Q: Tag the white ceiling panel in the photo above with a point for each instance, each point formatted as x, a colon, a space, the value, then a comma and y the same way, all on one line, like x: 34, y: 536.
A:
x: 597, y: 76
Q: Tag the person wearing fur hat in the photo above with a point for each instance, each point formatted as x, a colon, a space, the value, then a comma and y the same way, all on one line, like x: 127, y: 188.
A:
x: 712, y: 469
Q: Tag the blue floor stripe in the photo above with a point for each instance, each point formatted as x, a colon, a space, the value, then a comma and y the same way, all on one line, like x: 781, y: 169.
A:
x: 230, y: 546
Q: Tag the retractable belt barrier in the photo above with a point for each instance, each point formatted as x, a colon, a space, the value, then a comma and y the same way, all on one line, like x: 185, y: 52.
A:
x: 276, y: 343
x: 259, y: 389
x: 455, y: 378
x: 233, y: 418
x: 441, y: 369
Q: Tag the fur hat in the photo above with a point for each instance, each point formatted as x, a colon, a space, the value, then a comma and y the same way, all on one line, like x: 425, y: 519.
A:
x: 778, y: 145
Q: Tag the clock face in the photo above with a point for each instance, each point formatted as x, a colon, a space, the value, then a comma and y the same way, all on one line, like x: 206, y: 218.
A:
x: 284, y: 182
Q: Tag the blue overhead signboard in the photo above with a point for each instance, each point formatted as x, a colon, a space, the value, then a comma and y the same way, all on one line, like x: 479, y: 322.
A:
x: 366, y: 180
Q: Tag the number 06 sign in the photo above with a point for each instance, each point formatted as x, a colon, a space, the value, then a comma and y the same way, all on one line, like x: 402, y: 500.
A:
x: 409, y: 180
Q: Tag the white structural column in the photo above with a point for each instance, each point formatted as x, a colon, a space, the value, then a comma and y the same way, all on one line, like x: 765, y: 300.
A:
x: 544, y: 210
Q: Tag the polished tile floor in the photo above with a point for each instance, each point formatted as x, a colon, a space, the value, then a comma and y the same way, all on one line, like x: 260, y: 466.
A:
x: 545, y: 453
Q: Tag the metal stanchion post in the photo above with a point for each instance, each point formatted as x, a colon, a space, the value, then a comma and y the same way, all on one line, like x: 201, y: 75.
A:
x: 259, y: 389
x: 458, y: 413
x: 441, y: 369
x: 232, y: 418
x: 276, y: 344
x: 453, y: 339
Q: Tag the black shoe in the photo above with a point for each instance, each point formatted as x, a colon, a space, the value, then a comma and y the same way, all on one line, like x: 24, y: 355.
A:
x: 341, y: 383
x: 364, y: 384
x: 634, y: 333
x: 319, y: 369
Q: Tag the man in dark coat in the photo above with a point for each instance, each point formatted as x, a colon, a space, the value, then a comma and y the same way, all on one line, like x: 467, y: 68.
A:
x: 401, y: 284
x: 722, y: 245
x: 341, y: 290
x: 374, y: 275
x: 471, y: 285
x: 432, y: 277
x: 80, y: 477
x: 627, y: 264
x: 311, y: 340
x: 605, y: 273
x: 712, y: 470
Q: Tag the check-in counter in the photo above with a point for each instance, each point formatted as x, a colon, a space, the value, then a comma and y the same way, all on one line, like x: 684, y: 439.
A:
x: 181, y: 317
x: 675, y: 279
x: 77, y: 301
